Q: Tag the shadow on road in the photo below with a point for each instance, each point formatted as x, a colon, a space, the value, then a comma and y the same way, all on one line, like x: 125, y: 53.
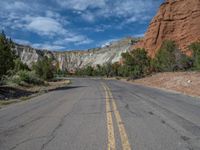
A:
x: 13, y: 93
x: 7, y: 93
x: 67, y: 88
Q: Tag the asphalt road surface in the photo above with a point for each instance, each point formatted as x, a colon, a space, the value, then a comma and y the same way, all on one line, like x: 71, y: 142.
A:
x: 95, y: 114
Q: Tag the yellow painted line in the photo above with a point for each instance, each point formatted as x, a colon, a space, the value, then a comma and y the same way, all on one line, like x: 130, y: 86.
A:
x: 120, y: 124
x: 110, y: 128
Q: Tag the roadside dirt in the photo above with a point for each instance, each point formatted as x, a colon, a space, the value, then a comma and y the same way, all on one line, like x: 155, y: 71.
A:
x: 184, y: 82
x: 10, y: 94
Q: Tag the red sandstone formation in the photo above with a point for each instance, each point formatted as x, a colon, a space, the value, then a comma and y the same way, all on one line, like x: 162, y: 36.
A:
x: 177, y: 20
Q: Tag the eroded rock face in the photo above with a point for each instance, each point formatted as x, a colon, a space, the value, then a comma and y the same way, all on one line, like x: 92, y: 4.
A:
x: 177, y: 20
x: 71, y: 60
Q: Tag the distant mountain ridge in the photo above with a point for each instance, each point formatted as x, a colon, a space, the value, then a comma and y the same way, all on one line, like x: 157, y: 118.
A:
x: 71, y: 60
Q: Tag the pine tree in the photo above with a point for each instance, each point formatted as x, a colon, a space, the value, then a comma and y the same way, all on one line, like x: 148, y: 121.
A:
x: 6, y: 55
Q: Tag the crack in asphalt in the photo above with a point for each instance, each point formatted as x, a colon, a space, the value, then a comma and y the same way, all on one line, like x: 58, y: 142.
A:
x: 49, y: 137
x: 89, y: 113
x: 62, y: 120
x: 27, y: 140
x: 132, y: 112
x: 53, y: 133
x: 10, y: 131
x: 127, y: 107
x: 186, y: 139
x: 21, y: 114
x: 187, y: 123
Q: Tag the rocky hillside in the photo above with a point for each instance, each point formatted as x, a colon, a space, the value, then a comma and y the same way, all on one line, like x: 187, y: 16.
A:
x: 176, y: 20
x: 71, y: 60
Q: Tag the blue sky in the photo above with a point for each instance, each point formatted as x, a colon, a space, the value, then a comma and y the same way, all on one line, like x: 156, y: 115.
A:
x: 74, y: 24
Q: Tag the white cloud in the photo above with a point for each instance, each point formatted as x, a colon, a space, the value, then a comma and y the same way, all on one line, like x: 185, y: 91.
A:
x: 52, y: 14
x: 85, y: 41
x: 52, y: 22
x: 16, y: 6
x: 76, y: 39
x: 21, y: 41
x: 138, y: 35
x: 128, y: 7
x: 47, y: 46
x: 45, y: 26
x: 110, y: 8
x: 97, y: 28
x: 88, y: 16
x: 108, y: 42
x: 132, y: 19
x: 82, y: 4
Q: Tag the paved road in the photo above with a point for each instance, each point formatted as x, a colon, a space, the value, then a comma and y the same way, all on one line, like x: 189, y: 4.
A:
x: 94, y: 114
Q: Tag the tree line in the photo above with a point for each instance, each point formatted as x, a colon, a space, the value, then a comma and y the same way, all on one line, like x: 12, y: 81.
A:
x: 14, y: 71
x: 137, y: 63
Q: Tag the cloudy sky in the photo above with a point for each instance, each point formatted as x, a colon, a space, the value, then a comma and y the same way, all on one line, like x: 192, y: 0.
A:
x: 74, y: 24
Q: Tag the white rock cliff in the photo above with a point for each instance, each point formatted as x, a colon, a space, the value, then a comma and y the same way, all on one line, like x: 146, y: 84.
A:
x: 71, y: 60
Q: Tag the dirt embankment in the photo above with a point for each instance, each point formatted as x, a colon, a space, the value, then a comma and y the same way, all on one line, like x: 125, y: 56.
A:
x: 184, y: 82
x: 9, y: 94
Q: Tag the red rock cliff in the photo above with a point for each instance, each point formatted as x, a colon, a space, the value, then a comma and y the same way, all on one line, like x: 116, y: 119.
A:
x: 177, y: 20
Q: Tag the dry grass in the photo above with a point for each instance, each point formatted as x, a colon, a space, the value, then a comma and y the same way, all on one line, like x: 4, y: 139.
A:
x: 17, y: 94
x: 48, y: 86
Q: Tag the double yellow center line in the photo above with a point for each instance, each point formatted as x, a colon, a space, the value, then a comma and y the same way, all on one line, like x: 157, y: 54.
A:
x: 110, y: 103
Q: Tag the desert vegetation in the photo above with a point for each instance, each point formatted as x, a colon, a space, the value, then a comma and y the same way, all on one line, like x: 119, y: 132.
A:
x: 19, y: 80
x: 137, y: 63
x: 14, y: 72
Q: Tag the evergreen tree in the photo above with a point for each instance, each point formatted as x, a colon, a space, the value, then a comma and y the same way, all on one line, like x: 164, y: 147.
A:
x: 170, y: 58
x: 44, y: 68
x: 136, y: 63
x: 7, y: 56
x: 195, y: 47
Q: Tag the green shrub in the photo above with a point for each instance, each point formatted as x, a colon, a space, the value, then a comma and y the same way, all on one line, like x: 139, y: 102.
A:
x: 165, y: 58
x: 195, y: 47
x: 136, y: 63
x: 124, y: 71
x: 44, y: 68
x: 61, y: 73
x: 24, y: 77
x: 115, y: 69
x: 170, y: 58
x: 87, y: 71
x: 19, y: 65
x: 107, y: 70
